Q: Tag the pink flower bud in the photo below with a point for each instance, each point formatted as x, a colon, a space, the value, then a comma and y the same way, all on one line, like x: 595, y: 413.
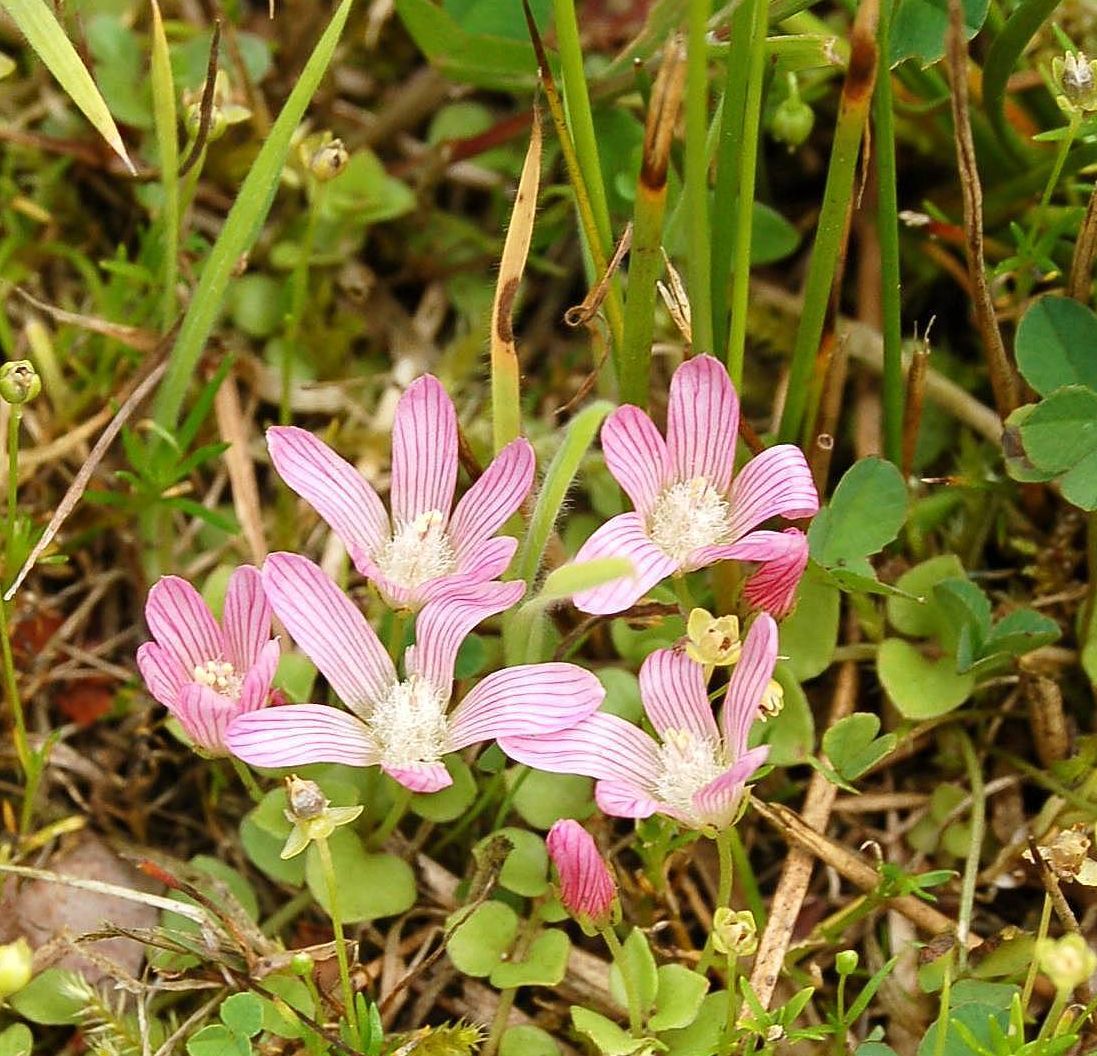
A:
x: 773, y: 586
x: 587, y: 887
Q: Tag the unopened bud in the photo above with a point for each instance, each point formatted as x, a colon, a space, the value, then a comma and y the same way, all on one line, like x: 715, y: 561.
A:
x: 1076, y: 76
x: 587, y: 887
x: 793, y: 119
x: 302, y: 963
x: 1067, y: 962
x: 328, y: 160
x: 846, y: 962
x: 19, y: 381
x: 306, y: 800
x: 734, y: 932
x: 16, y: 960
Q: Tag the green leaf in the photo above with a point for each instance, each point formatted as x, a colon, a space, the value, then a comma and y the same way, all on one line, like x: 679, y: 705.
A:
x: 702, y: 1036
x: 772, y: 237
x: 622, y: 693
x: 966, y: 624
x: 242, y: 226
x: 217, y: 1040
x: 483, y: 940
x: 36, y: 21
x: 1020, y: 632
x: 543, y: 799
x: 919, y: 616
x: 295, y: 994
x: 1060, y: 435
x: 16, y: 1040
x: 370, y: 885
x: 450, y: 802
x: 607, y: 1036
x: 919, y: 687
x: 525, y: 868
x: 55, y: 997
x: 243, y: 1014
x: 864, y: 514
x: 263, y: 833
x: 491, y: 18
x: 570, y: 579
x: 544, y: 964
x: 528, y: 1041
x: 852, y: 746
x: 919, y: 27
x: 810, y: 635
x: 678, y: 999
x: 1056, y: 345
x: 640, y: 965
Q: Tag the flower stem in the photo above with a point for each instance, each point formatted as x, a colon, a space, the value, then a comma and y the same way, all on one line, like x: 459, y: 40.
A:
x: 728, y: 1039
x: 397, y: 629
x: 682, y: 593
x: 1041, y: 933
x: 978, y: 829
x: 328, y: 867
x: 696, y: 174
x: 395, y: 813
x: 299, y: 288
x: 723, y: 892
x: 635, y: 1017
x: 247, y: 779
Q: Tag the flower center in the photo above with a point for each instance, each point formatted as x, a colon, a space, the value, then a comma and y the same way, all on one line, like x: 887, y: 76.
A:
x: 418, y: 551
x: 687, y: 516
x: 688, y: 763
x: 409, y: 723
x: 220, y: 676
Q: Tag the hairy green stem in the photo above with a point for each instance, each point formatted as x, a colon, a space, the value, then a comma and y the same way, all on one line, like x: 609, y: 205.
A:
x: 327, y: 866
x: 723, y: 893
x: 696, y: 175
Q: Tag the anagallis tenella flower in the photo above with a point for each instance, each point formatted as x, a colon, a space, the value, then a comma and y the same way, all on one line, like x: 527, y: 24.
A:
x: 697, y: 771
x: 587, y: 887
x: 689, y: 512
x: 207, y: 674
x: 427, y: 545
x: 404, y: 725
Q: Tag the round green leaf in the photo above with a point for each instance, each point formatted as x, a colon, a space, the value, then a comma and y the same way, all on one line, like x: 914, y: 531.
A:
x: 243, y: 1014
x: 678, y: 999
x: 54, y: 997
x: 543, y: 799
x: 18, y: 1041
x: 810, y: 634
x: 1056, y: 341
x: 919, y: 687
x: 640, y: 965
x: 217, y: 1040
x: 702, y: 1036
x: 528, y: 1041
x: 295, y: 994
x: 545, y: 963
x: 608, y: 1037
x: 482, y: 941
x: 525, y: 869
x: 263, y: 832
x: 369, y: 885
x: 864, y: 515
x: 922, y: 619
x: 1062, y: 429
x: 450, y: 802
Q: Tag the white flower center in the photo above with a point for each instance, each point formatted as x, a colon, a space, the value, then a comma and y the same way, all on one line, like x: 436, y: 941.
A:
x: 687, y: 516
x: 688, y: 763
x: 409, y: 723
x: 418, y: 551
x: 220, y: 676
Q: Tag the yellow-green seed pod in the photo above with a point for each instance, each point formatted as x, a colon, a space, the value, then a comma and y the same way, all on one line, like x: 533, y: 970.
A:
x: 19, y: 381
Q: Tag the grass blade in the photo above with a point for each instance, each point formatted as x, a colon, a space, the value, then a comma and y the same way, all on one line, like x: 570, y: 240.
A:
x: 47, y: 37
x: 167, y: 145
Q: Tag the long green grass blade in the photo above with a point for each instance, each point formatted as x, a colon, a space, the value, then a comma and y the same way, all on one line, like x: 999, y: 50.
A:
x: 46, y: 36
x: 167, y: 145
x: 242, y: 227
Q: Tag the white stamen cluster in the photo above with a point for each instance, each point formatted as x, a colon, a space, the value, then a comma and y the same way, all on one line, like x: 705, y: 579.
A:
x: 687, y: 516
x: 688, y: 763
x: 418, y: 551
x: 220, y: 676
x: 409, y: 723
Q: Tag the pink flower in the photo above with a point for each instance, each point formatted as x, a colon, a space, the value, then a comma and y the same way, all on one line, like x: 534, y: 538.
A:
x: 773, y: 586
x: 402, y: 724
x: 698, y: 772
x: 688, y: 511
x: 206, y: 674
x: 423, y: 548
x: 587, y: 887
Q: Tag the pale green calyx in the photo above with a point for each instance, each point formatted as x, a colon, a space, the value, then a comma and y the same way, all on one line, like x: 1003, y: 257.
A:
x: 19, y: 381
x: 312, y: 815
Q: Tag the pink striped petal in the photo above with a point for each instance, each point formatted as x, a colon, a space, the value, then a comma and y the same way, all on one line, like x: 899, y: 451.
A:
x: 702, y: 422
x: 327, y: 625
x: 298, y: 734
x: 672, y: 687
x: 446, y: 622
x: 255, y: 691
x: 530, y: 699
x: 603, y: 746
x: 717, y: 803
x: 762, y: 545
x: 246, y: 619
x: 182, y: 623
x: 487, y: 505
x: 163, y: 673
x: 486, y: 560
x: 776, y: 483
x: 748, y: 682
x: 332, y: 487
x: 424, y: 451
x: 623, y: 536
x: 773, y: 586
x: 636, y: 455
x: 622, y: 799
x: 204, y: 715
x: 421, y: 777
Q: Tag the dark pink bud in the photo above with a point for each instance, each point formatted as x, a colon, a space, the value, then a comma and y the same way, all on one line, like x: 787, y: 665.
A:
x: 587, y: 887
x: 773, y: 586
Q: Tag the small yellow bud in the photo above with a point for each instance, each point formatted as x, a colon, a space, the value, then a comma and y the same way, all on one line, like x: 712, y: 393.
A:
x: 328, y: 160
x: 734, y: 932
x: 773, y: 700
x: 16, y: 959
x: 19, y: 381
x: 713, y: 641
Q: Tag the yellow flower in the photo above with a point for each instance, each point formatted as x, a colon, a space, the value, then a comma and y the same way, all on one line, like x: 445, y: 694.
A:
x: 713, y: 641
